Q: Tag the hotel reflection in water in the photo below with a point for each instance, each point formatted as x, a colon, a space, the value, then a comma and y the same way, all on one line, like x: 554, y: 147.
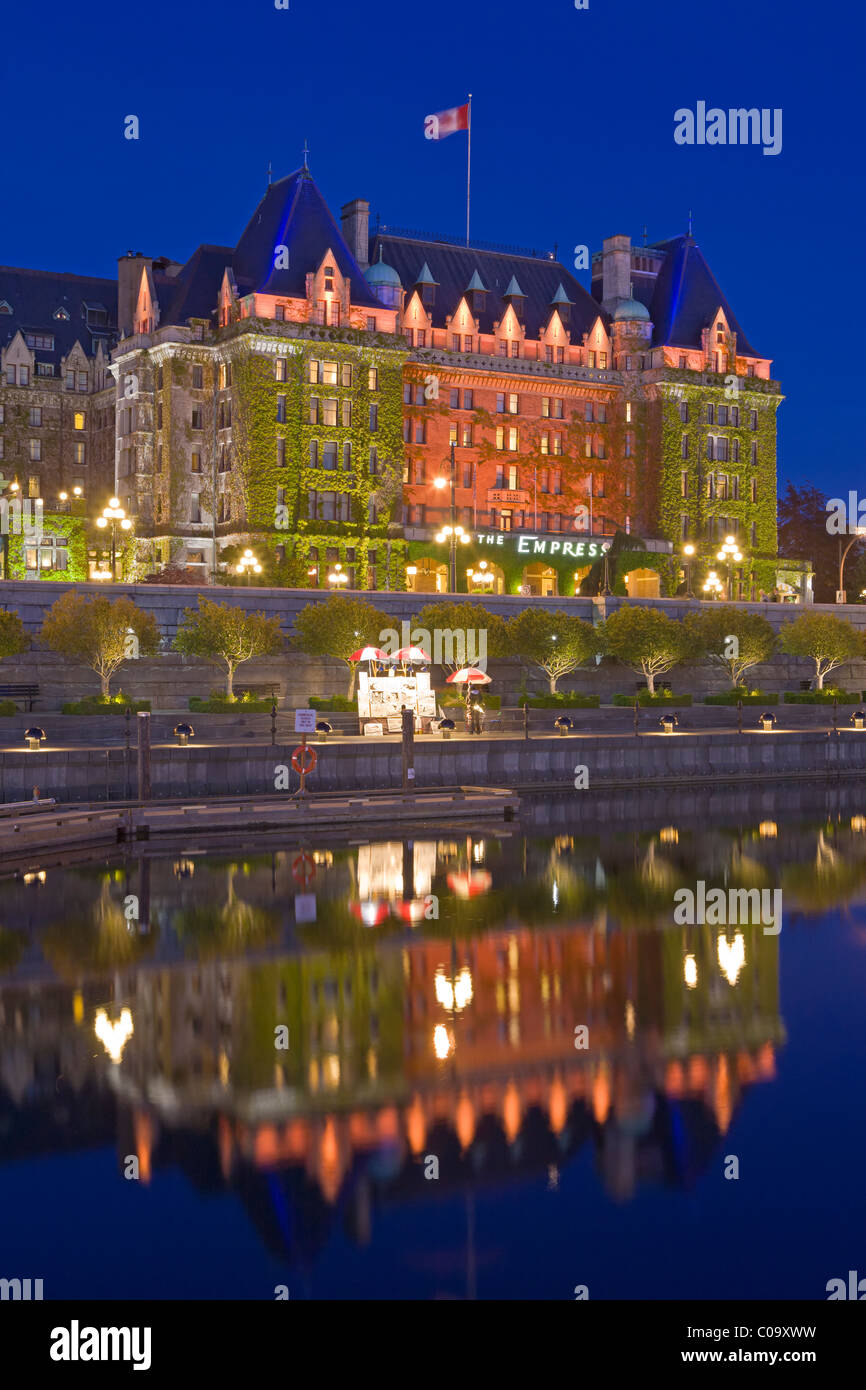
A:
x: 408, y: 1033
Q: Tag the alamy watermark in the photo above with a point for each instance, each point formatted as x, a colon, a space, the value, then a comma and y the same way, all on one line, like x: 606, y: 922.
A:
x: 445, y: 646
x: 732, y: 907
x: 21, y: 517
x: 736, y: 126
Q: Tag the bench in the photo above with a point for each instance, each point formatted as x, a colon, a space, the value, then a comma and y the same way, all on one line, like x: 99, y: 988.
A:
x: 20, y: 692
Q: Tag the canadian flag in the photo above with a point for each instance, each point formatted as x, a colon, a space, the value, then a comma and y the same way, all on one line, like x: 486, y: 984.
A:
x: 446, y: 122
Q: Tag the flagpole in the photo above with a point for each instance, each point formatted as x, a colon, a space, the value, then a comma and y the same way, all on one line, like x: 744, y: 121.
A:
x: 468, y: 162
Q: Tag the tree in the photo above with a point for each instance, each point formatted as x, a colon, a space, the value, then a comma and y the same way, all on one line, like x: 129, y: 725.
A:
x: 732, y: 638
x: 558, y: 643
x: 646, y: 640
x: 826, y: 640
x: 228, y: 634
x: 13, y: 637
x: 101, y: 632
x: 461, y: 634
x: 803, y: 533
x: 337, y: 627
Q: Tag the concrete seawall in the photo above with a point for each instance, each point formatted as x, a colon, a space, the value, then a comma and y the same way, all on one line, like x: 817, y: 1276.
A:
x: 92, y: 774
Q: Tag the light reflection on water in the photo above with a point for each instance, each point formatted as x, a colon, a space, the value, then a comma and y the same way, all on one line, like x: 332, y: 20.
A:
x: 298, y: 1032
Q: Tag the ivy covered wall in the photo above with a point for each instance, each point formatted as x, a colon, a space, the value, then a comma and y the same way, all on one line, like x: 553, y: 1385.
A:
x: 667, y: 428
x: 273, y: 496
x: 74, y: 528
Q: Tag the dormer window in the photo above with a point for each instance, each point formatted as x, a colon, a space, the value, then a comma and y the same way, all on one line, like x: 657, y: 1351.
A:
x: 5, y: 307
x: 58, y: 314
x: 478, y: 301
x: 428, y: 296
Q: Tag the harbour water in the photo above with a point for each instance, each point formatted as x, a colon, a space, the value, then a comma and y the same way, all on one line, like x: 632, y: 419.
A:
x: 461, y: 1065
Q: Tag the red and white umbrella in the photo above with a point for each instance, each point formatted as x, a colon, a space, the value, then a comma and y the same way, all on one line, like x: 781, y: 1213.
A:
x: 369, y: 654
x: 470, y: 885
x: 372, y: 913
x: 468, y: 675
x: 411, y: 909
x: 411, y: 654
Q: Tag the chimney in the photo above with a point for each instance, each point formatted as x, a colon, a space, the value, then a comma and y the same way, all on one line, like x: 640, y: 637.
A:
x: 355, y: 217
x: 616, y: 270
x: 129, y: 268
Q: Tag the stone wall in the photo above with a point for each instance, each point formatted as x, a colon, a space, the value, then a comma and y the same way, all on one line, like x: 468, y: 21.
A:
x: 99, y: 775
x: 170, y: 679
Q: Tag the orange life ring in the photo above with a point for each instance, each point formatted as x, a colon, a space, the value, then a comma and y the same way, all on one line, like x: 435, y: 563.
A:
x: 303, y: 868
x: 309, y: 758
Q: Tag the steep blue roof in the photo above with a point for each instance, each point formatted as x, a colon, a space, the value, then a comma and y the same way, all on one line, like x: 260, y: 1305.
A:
x: 294, y: 214
x: 685, y: 297
x: 192, y: 293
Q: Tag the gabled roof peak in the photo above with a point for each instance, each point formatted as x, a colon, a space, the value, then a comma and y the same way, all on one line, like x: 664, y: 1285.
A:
x: 425, y: 277
x: 561, y: 297
x: 476, y: 284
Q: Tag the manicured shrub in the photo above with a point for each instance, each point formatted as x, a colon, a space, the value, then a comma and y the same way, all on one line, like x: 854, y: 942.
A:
x: 561, y: 700
x: 821, y: 697
x: 7, y: 707
x: 105, y: 704
x: 220, y: 703
x: 644, y: 698
x: 337, y: 704
x: 453, y: 697
x: 748, y: 697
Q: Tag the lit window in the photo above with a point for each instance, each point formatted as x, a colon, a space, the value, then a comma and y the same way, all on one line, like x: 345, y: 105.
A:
x: 78, y: 420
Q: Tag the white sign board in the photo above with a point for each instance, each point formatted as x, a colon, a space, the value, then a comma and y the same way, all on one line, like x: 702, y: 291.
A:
x: 395, y: 723
x: 305, y: 907
x: 305, y: 721
x: 374, y: 729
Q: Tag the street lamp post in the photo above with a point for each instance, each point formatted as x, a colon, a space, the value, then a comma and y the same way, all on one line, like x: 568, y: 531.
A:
x: 859, y: 533
x: 113, y: 515
x: 688, y: 551
x: 712, y: 585
x: 453, y: 530
x: 729, y: 555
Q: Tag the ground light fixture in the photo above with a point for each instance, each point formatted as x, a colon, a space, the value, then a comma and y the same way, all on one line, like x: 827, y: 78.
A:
x: 323, y: 728
x: 669, y: 723
x: 447, y: 727
x: 183, y: 733
x: 564, y: 725
x: 712, y: 585
x: 483, y: 575
x: 766, y: 721
x: 33, y: 737
x: 248, y: 564
x: 858, y: 719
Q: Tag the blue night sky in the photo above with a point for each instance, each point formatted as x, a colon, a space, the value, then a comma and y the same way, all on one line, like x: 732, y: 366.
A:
x: 572, y: 141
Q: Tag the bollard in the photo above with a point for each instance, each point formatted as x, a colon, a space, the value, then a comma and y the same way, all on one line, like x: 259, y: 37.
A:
x: 526, y: 721
x: 835, y: 721
x: 273, y: 724
x: 35, y: 793
x: 128, y: 725
x: 408, y: 718
x: 143, y: 755
x: 636, y: 714
x: 739, y: 716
